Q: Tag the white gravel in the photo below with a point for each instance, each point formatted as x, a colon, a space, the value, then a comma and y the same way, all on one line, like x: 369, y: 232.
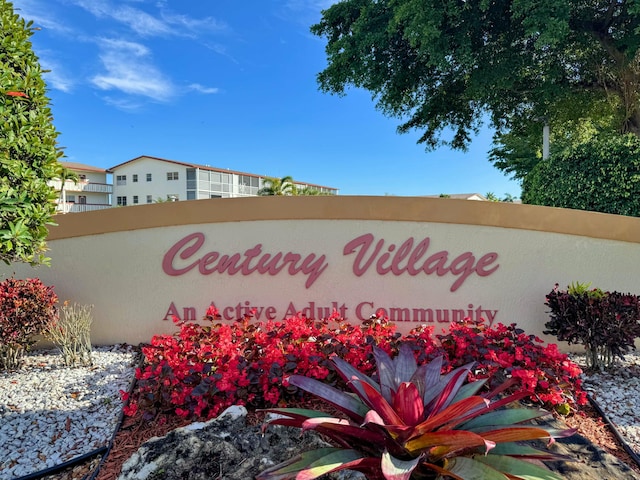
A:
x: 617, y: 392
x: 50, y: 414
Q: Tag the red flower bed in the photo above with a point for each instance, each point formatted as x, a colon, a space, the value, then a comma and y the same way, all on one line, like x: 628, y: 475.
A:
x: 204, y: 368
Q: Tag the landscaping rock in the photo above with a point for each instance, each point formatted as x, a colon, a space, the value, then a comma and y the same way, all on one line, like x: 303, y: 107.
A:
x: 226, y: 448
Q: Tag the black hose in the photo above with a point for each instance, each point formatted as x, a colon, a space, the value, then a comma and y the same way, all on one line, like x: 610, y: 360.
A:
x: 62, y: 466
x: 634, y: 456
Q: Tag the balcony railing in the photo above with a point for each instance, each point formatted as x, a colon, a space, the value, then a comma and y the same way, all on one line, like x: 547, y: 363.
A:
x: 72, y: 207
x: 82, y: 186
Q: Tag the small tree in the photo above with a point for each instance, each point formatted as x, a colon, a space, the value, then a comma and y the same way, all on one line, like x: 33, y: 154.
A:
x: 28, y: 149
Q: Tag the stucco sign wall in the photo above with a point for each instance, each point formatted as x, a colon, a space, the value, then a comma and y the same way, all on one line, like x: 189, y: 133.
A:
x: 415, y: 260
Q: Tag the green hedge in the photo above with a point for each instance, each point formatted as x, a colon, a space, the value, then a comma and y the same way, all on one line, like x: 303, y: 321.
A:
x: 602, y: 175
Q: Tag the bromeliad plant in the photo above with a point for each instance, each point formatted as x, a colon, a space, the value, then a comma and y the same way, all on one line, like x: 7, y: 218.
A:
x: 415, y: 423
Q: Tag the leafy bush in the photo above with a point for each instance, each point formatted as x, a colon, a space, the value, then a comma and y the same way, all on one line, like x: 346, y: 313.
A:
x: 507, y: 351
x: 601, y: 175
x: 28, y: 150
x: 606, y: 323
x: 26, y: 308
x: 410, y: 422
x: 71, y: 333
x: 203, y: 369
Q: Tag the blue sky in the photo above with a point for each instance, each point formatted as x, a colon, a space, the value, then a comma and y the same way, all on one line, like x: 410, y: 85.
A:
x: 232, y: 85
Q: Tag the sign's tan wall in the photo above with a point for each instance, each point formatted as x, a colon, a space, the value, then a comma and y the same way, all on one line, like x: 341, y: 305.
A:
x: 113, y: 259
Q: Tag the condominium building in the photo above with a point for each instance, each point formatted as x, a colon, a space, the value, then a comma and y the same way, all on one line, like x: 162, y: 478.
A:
x: 147, y: 179
x: 92, y: 191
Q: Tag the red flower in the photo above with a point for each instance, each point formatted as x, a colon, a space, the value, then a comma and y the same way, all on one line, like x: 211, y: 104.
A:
x: 16, y: 94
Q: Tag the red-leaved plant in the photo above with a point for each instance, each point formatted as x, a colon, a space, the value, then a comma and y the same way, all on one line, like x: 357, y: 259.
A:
x: 26, y: 308
x: 606, y: 323
x: 204, y: 368
x: 414, y: 423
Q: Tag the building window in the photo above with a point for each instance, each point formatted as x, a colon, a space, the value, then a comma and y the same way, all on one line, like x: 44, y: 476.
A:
x: 122, y: 201
x: 172, y: 175
x: 135, y: 178
x: 121, y: 179
x: 82, y: 199
x: 71, y: 198
x: 135, y: 199
x: 149, y: 199
x: 148, y: 177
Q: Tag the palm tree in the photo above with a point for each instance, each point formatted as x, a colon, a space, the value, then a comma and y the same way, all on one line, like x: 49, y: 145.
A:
x: 278, y: 186
x: 63, y: 174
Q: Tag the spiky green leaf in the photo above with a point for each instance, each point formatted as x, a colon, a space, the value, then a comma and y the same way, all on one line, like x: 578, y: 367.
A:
x: 518, y: 468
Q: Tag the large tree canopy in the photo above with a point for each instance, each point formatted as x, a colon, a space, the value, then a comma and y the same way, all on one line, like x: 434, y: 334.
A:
x: 450, y: 64
x: 28, y: 150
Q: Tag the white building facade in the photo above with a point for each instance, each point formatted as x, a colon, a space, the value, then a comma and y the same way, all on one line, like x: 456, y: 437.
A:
x: 147, y: 179
x: 91, y: 192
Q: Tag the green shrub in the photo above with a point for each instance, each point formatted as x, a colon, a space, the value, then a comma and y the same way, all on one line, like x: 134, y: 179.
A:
x: 602, y: 175
x: 28, y: 150
x: 26, y: 308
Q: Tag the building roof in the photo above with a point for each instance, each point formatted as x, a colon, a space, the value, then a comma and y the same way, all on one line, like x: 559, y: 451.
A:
x: 206, y: 167
x: 461, y: 196
x: 75, y: 166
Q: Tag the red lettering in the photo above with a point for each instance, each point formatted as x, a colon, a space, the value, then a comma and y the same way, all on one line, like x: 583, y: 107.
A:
x: 403, y: 251
x: 363, y: 316
x: 416, y: 255
x: 188, y: 252
x: 485, y: 261
x: 270, y: 313
x: 311, y: 265
x: 364, y: 242
x: 461, y: 267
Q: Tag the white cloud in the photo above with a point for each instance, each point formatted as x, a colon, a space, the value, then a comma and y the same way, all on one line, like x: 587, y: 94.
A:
x: 128, y: 68
x: 196, y: 25
x: 42, y: 16
x: 56, y: 77
x: 165, y: 23
x: 202, y: 89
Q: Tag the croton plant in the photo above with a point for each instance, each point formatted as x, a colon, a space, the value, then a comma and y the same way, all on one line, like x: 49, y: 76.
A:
x: 412, y: 422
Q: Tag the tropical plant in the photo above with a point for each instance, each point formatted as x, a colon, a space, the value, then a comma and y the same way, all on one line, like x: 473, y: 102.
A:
x: 65, y: 174
x: 414, y: 423
x: 26, y: 308
x: 606, y: 323
x: 71, y: 333
x: 278, y: 186
x: 28, y: 149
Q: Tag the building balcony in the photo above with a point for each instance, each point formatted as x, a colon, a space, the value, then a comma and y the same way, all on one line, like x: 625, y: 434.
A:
x: 82, y: 186
x: 73, y: 207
